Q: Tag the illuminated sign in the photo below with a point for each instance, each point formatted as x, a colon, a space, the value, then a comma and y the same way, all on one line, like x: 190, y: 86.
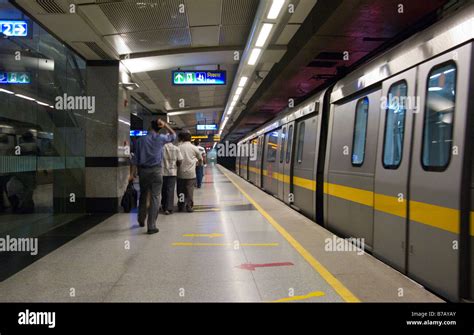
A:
x: 14, y: 28
x: 15, y: 77
x: 206, y: 127
x: 134, y: 133
x: 199, y: 77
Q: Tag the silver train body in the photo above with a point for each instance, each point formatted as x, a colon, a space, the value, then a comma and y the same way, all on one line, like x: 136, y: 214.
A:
x: 386, y: 155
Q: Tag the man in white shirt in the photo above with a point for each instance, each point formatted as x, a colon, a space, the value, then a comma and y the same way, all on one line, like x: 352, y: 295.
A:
x: 187, y: 172
x: 172, y: 158
x: 200, y: 167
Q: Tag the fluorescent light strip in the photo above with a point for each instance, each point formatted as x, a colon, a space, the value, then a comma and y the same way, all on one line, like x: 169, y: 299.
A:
x: 239, y: 90
x: 275, y: 9
x: 243, y: 81
x: 264, y: 33
x: 254, y: 56
x: 24, y: 97
x: 42, y: 103
x: 125, y: 122
x: 6, y: 91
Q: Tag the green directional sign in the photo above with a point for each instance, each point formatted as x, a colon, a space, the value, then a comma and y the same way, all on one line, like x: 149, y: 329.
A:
x: 210, y: 77
x: 179, y: 78
x: 15, y: 78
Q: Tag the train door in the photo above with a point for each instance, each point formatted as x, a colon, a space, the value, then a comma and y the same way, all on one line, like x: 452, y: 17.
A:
x: 245, y: 161
x: 287, y: 189
x: 304, y: 183
x: 252, y: 161
x: 435, y: 214
x: 281, y: 177
x: 392, y: 168
x: 270, y: 161
x: 237, y: 164
x: 259, y: 161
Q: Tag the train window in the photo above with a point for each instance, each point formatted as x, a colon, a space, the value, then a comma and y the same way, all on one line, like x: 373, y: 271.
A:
x: 299, y: 153
x: 360, y: 132
x: 439, y: 116
x: 289, y: 144
x: 272, y: 144
x: 395, y: 125
x: 282, y: 148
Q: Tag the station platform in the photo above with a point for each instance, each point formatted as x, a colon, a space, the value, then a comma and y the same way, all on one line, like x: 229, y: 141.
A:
x: 239, y: 245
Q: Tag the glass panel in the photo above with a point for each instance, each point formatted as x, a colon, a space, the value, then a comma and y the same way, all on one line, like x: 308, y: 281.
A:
x: 395, y: 125
x: 41, y: 148
x: 360, y: 132
x: 272, y: 144
x: 439, y: 116
x: 282, y: 149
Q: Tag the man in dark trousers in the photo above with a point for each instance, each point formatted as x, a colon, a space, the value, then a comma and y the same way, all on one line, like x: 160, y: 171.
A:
x: 187, y: 172
x: 147, y: 159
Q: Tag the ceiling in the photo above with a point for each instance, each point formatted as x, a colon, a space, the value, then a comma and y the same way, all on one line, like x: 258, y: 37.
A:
x: 154, y: 37
x: 315, y: 57
x: 304, y: 53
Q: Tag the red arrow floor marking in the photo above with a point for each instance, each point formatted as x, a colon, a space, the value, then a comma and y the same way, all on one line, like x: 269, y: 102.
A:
x: 252, y: 267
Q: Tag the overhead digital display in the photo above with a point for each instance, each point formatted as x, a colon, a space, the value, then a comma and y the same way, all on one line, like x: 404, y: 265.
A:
x: 199, y: 77
x: 206, y: 127
x: 14, y: 28
x: 15, y: 77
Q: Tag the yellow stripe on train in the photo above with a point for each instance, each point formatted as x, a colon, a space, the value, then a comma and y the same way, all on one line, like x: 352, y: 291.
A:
x: 436, y: 216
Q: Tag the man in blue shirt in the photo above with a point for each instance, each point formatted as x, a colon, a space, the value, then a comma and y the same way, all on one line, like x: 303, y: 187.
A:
x: 147, y: 158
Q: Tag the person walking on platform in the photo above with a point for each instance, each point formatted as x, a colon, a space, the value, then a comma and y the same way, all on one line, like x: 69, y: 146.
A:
x: 200, y: 167
x: 172, y: 158
x: 147, y: 159
x: 187, y: 172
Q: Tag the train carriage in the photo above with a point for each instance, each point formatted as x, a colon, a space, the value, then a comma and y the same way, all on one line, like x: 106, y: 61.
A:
x: 386, y: 155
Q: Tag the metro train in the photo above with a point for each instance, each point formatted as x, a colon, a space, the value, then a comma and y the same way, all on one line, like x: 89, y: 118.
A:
x: 385, y: 154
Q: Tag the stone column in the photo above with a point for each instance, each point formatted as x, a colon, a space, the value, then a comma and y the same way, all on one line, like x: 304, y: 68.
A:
x: 107, y: 138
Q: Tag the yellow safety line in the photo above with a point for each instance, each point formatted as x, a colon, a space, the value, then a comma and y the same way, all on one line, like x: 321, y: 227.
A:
x: 192, y: 244
x: 204, y: 235
x: 301, y: 297
x: 343, y: 291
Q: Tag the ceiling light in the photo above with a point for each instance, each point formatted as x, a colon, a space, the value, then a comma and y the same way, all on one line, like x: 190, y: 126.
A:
x: 6, y: 91
x: 24, y: 97
x: 243, y: 81
x: 275, y: 9
x: 129, y: 86
x: 239, y: 90
x: 42, y: 103
x: 254, y: 56
x: 264, y: 33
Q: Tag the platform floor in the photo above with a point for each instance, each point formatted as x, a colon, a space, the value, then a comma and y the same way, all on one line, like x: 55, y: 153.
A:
x: 240, y: 244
